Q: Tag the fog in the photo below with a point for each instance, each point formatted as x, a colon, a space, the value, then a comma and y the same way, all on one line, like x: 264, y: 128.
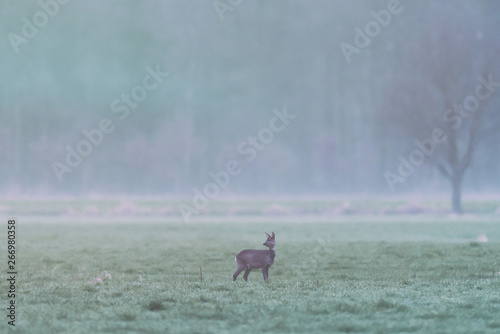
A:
x: 245, y: 98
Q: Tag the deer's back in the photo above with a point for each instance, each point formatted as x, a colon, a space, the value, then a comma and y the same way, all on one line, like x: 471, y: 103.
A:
x: 254, y: 258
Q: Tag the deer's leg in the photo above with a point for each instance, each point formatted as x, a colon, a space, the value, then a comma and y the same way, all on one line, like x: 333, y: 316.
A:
x: 247, y: 272
x: 240, y: 269
x: 265, y: 272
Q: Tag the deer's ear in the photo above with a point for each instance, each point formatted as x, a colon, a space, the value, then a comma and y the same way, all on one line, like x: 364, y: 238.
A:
x: 268, y: 236
x: 273, y: 236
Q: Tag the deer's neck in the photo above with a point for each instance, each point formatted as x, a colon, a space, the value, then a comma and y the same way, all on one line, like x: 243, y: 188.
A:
x: 272, y: 251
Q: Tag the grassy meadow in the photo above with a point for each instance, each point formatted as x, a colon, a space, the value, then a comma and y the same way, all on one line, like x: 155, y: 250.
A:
x: 383, y: 271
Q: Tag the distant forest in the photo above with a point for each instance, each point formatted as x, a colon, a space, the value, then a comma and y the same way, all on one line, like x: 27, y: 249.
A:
x: 363, y: 98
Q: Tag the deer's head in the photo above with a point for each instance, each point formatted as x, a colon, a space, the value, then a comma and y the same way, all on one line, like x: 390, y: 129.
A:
x: 271, y: 241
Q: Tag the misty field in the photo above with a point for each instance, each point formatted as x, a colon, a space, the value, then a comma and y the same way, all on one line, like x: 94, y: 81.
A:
x: 348, y: 273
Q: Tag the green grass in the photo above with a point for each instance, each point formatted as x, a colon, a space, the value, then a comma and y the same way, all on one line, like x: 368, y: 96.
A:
x: 400, y: 274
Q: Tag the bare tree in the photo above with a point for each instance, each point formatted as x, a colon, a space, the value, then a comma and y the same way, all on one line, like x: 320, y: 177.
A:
x: 446, y: 82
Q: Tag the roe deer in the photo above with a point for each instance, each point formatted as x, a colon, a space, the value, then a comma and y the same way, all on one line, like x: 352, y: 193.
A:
x: 256, y: 259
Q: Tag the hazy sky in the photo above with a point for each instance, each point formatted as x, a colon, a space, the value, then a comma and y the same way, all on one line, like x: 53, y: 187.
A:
x: 258, y: 97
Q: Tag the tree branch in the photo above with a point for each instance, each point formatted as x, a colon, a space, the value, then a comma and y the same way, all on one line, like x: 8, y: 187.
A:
x: 471, y: 145
x: 444, y: 170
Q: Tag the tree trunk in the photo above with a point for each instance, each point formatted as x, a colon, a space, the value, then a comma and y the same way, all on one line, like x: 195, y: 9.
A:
x: 456, y: 195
